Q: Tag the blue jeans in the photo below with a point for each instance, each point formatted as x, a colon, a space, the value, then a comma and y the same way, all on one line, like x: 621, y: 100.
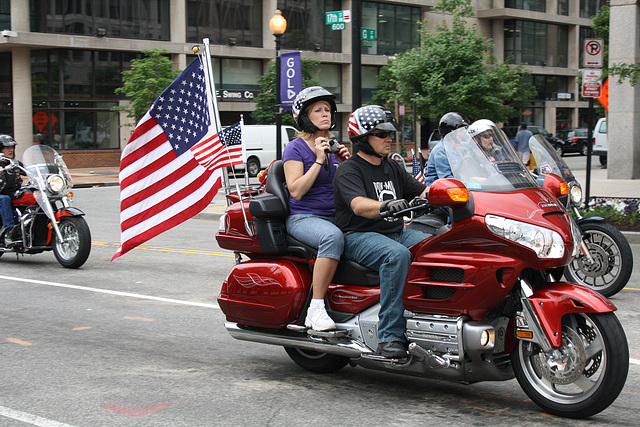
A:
x: 319, y: 232
x: 390, y: 256
x: 6, y: 211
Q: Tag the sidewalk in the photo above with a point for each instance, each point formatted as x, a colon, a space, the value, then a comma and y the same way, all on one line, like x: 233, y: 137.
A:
x: 600, y: 187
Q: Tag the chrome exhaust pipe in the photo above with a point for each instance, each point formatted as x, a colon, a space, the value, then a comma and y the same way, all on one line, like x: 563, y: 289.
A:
x: 346, y: 347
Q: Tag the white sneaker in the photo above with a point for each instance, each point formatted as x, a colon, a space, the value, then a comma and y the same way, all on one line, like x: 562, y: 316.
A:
x: 319, y: 320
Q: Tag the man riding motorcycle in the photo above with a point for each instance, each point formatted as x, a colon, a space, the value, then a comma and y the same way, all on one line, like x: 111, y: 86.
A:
x: 10, y: 182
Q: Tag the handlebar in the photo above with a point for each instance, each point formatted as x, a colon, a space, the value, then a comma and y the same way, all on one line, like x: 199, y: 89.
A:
x: 417, y: 204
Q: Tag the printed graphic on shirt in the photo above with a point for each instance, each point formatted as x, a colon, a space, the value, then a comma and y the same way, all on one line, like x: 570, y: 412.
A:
x: 384, y: 190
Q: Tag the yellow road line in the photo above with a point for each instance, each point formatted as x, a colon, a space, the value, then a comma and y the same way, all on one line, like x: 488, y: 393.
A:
x: 172, y: 250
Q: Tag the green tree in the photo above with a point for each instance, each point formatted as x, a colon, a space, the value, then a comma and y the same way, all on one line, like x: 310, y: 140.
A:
x: 265, y: 112
x: 452, y: 71
x: 145, y: 81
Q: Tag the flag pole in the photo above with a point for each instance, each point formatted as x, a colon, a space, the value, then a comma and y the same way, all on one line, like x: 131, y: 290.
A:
x: 213, y: 105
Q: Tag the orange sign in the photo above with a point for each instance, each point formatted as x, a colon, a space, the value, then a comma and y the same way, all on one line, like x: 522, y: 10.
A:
x: 40, y: 119
x: 604, y: 98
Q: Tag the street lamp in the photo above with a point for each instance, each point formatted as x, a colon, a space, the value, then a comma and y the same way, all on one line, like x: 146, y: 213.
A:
x: 278, y: 26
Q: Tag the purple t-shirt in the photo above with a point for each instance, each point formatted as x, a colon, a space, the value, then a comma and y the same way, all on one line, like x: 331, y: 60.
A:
x: 319, y: 198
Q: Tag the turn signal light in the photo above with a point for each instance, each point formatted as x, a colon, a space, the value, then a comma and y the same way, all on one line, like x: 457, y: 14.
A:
x: 524, y: 334
x: 555, y: 185
x: 448, y: 192
x: 458, y: 194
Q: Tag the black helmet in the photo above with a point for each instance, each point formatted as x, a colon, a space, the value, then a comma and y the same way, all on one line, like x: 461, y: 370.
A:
x: 450, y: 122
x: 7, y: 141
x: 307, y: 97
x: 364, y: 120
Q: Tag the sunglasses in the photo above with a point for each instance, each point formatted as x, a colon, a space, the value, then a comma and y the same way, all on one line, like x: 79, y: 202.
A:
x: 486, y: 135
x: 383, y: 135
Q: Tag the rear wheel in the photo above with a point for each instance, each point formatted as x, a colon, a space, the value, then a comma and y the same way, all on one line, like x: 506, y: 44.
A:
x: 314, y: 361
x: 585, y: 375
x: 75, y: 249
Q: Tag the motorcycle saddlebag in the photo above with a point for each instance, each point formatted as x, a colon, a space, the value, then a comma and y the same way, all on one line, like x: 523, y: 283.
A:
x: 265, y: 293
x: 268, y: 217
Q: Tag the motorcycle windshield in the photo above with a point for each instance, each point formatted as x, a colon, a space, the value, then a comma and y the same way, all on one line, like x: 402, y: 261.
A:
x: 42, y: 161
x: 484, y: 160
x: 545, y: 160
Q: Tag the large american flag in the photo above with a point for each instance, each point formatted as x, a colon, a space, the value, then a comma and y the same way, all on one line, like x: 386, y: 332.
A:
x: 162, y: 184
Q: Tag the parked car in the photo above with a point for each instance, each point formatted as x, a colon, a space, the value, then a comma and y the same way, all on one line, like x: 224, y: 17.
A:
x: 511, y: 132
x: 601, y: 146
x: 573, y: 141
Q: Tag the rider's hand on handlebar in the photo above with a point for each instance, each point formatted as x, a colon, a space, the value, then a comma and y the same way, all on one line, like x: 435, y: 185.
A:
x: 389, y: 207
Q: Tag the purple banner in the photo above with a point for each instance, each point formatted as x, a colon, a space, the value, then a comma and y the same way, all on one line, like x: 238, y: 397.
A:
x: 290, y: 79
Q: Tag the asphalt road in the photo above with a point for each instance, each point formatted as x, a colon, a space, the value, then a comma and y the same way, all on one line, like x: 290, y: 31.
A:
x: 140, y: 342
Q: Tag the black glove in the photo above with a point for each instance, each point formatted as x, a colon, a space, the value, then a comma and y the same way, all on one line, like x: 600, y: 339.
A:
x: 392, y: 206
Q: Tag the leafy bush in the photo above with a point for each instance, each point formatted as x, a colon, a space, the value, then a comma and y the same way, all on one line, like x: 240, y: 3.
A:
x: 620, y: 212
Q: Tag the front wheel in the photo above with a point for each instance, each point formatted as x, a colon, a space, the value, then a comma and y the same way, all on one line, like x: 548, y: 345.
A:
x: 321, y: 363
x: 603, y: 160
x: 585, y: 375
x: 612, y: 259
x: 75, y: 249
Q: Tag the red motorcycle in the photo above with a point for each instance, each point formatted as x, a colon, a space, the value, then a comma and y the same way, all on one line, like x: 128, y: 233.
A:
x: 483, y: 297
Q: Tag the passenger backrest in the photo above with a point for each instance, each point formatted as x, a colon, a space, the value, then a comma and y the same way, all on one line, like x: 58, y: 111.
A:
x: 277, y: 184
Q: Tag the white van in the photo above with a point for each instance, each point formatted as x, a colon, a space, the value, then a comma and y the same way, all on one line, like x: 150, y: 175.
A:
x: 260, y: 141
x: 601, y: 147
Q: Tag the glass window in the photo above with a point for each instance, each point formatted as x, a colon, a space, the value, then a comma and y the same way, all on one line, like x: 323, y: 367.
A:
x: 548, y: 87
x: 330, y: 77
x: 563, y: 7
x: 590, y: 8
x: 306, y: 28
x: 5, y: 14
x: 536, y: 43
x: 5, y: 77
x: 240, y: 74
x: 396, y: 28
x: 138, y: 19
x: 225, y: 22
x: 534, y: 5
x: 369, y: 77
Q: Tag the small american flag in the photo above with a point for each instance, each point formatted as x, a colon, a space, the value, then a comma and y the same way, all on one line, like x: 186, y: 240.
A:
x: 417, y: 170
x: 225, y: 150
x: 162, y: 184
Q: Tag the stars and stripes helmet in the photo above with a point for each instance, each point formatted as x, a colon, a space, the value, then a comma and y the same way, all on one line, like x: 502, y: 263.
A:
x: 7, y: 141
x: 450, y: 122
x: 307, y: 97
x: 364, y: 120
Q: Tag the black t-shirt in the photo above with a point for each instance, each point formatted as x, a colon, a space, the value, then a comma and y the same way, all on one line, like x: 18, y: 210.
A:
x: 356, y: 177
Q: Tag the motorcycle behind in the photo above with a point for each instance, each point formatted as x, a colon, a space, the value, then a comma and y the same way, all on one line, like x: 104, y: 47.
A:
x: 44, y: 212
x: 605, y: 260
x: 483, y: 298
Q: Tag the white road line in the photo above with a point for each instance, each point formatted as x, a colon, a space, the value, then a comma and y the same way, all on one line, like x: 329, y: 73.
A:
x: 634, y: 361
x: 106, y: 291
x: 30, y: 418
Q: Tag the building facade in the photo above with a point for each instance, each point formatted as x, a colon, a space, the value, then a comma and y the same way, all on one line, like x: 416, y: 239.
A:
x: 61, y: 60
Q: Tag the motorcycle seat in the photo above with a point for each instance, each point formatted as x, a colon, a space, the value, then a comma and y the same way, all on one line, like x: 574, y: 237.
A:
x: 269, y: 217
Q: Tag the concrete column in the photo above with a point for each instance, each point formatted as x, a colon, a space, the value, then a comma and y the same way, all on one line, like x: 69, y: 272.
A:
x: 19, y: 16
x: 22, y: 106
x: 623, y: 122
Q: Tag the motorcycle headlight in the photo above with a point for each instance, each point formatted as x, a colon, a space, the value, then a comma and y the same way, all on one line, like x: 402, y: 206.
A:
x: 544, y: 242
x: 575, y: 192
x: 55, y: 183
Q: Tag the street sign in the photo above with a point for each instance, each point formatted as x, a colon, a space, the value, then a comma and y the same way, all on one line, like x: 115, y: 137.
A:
x: 337, y: 16
x: 592, y: 55
x: 591, y: 84
x: 367, y: 34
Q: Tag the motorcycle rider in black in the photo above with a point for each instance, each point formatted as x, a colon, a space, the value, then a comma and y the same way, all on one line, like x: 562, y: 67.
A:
x: 10, y: 183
